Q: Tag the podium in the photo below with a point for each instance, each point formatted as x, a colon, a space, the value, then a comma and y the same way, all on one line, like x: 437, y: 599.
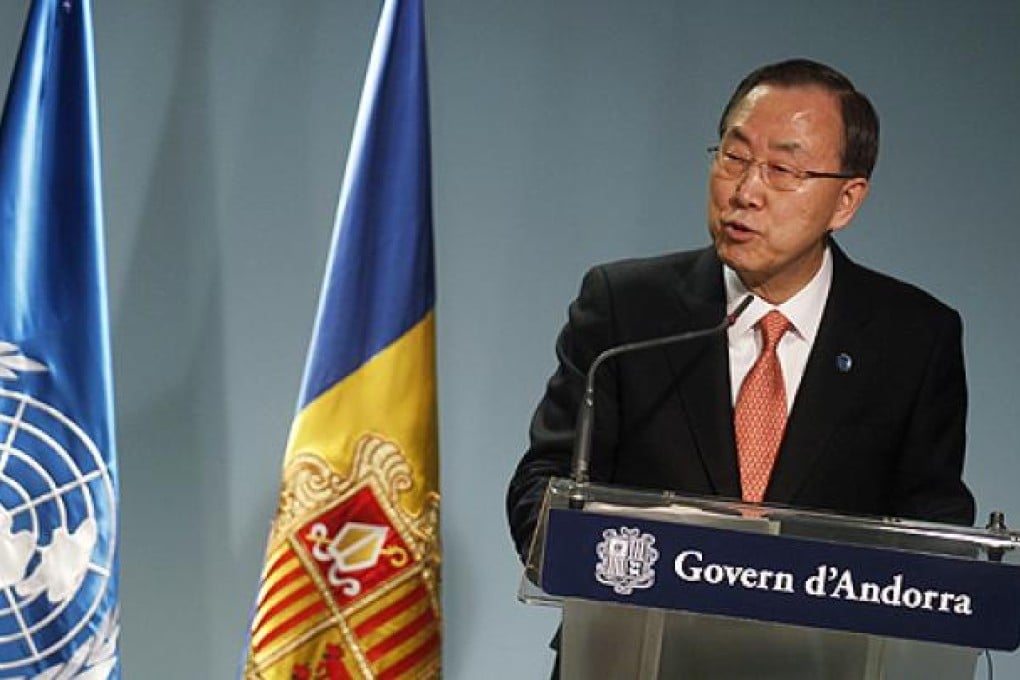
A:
x: 659, y: 585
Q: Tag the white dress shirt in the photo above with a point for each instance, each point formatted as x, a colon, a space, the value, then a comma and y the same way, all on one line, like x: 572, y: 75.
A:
x: 803, y: 310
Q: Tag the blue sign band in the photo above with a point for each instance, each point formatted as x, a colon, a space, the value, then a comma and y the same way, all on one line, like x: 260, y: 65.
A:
x: 878, y: 591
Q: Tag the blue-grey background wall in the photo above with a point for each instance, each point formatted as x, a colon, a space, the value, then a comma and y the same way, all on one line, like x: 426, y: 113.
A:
x: 564, y: 133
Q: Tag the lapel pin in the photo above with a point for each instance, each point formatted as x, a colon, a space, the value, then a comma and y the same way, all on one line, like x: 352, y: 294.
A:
x: 844, y: 362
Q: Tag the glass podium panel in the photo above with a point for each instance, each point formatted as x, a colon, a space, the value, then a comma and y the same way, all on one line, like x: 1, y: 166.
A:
x: 643, y: 637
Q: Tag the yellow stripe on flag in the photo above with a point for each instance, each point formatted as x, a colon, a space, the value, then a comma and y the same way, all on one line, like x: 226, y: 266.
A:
x: 393, y: 394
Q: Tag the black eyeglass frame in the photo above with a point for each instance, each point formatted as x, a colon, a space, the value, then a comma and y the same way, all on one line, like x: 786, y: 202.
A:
x: 798, y: 173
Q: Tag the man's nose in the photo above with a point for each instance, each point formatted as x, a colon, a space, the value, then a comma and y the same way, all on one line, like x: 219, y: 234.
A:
x: 749, y: 191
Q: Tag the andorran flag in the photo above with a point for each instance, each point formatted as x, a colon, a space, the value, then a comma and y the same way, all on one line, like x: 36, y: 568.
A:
x: 350, y: 587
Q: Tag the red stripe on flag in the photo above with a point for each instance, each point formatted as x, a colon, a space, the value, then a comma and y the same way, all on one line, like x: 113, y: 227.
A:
x: 284, y: 556
x: 408, y: 631
x: 283, y: 604
x: 285, y: 580
x: 310, y: 610
x: 383, y: 615
x: 261, y: 616
x: 411, y: 660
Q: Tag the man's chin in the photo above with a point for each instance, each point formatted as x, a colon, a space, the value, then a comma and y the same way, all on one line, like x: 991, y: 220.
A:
x: 735, y: 256
x: 743, y: 265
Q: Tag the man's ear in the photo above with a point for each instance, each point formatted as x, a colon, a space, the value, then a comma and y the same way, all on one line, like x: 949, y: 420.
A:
x: 851, y: 196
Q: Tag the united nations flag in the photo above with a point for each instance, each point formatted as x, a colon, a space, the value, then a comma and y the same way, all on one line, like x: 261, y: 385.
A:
x: 350, y: 587
x: 58, y: 483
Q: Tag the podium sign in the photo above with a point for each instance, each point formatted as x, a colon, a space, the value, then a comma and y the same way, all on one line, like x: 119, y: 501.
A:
x: 655, y: 585
x: 955, y: 600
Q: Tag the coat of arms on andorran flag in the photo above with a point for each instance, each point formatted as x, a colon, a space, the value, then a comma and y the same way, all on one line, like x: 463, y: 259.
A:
x: 351, y: 572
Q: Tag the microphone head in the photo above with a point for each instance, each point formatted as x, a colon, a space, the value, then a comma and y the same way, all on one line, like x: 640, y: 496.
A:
x: 735, y: 314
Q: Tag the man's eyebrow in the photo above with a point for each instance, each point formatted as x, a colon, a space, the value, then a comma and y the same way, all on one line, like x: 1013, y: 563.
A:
x: 789, y: 147
x: 740, y: 136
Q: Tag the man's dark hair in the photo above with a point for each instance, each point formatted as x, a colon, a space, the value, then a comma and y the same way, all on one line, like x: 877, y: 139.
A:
x: 860, y: 122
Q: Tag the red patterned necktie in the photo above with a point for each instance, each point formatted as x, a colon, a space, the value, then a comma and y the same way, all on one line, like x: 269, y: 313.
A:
x: 759, y: 417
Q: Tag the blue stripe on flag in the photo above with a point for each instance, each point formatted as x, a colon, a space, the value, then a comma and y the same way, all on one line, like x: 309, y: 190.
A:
x: 380, y: 279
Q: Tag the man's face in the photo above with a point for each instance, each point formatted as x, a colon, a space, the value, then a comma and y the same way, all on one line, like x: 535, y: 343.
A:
x: 775, y: 239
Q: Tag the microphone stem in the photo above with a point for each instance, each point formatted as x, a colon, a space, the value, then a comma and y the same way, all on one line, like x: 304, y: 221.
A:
x: 586, y: 411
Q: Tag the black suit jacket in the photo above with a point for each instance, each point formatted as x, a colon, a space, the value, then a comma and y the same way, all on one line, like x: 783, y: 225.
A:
x: 884, y: 438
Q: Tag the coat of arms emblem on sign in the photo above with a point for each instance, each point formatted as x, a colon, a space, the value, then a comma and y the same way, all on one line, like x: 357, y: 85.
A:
x: 625, y: 561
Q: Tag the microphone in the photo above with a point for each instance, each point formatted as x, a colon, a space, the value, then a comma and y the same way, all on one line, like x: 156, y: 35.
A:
x: 585, y: 414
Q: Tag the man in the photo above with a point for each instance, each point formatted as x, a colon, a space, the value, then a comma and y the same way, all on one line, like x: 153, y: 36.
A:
x: 838, y: 388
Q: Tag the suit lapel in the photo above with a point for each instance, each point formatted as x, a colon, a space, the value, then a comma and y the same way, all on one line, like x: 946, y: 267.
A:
x: 701, y: 373
x: 825, y: 391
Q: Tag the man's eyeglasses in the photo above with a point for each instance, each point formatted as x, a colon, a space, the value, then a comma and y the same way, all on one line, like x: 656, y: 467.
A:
x: 779, y: 176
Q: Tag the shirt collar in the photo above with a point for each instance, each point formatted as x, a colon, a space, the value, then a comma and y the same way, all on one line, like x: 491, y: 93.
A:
x: 804, y: 309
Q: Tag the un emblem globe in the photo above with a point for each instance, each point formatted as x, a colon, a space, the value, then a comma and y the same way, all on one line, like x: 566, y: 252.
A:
x: 57, y: 546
